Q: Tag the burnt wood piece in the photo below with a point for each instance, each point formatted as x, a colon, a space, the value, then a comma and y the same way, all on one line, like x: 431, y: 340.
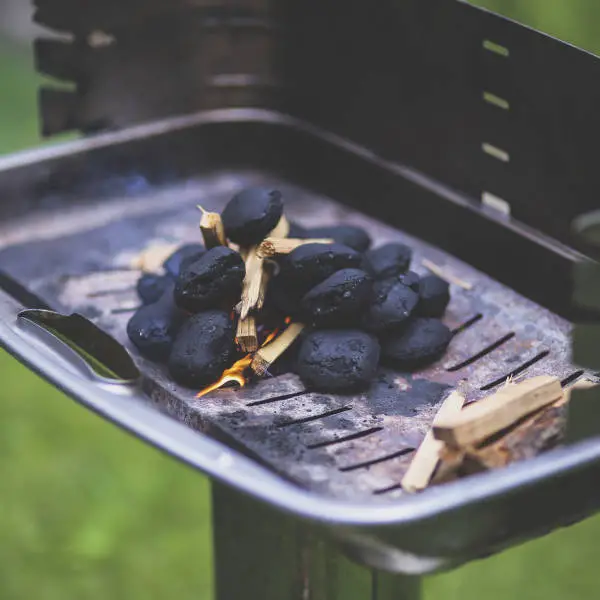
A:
x: 338, y: 360
x: 213, y: 280
x: 348, y: 235
x: 339, y: 300
x: 203, y: 349
x: 252, y: 214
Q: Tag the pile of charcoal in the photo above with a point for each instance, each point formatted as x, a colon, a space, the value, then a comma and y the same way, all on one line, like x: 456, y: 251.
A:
x: 263, y: 296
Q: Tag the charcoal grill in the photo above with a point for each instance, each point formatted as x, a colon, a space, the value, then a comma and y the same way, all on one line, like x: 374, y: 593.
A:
x: 432, y: 122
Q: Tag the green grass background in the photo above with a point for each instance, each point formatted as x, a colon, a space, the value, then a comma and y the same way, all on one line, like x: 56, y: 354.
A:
x: 87, y: 512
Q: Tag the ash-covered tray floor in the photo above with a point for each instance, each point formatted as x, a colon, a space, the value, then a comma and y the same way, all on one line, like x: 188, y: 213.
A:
x: 346, y: 446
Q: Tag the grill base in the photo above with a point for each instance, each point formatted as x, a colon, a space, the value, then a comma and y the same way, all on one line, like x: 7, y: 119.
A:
x: 353, y: 447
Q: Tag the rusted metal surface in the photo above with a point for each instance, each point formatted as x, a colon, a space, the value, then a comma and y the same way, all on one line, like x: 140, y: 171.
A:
x: 345, y: 446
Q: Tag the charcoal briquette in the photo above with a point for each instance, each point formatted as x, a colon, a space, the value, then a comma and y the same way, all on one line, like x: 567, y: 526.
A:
x: 212, y: 281
x: 434, y: 295
x: 153, y: 327
x: 310, y: 264
x: 203, y: 349
x: 174, y: 263
x: 338, y: 360
x: 348, y: 235
x: 252, y: 214
x: 339, y: 300
x: 151, y: 287
x: 282, y: 299
x: 423, y: 341
x: 391, y: 307
x: 410, y: 279
x: 388, y: 260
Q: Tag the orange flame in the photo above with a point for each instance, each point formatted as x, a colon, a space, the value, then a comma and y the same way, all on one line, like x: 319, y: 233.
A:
x: 235, y: 374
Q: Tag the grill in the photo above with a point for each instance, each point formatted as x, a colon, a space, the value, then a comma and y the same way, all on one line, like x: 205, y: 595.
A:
x: 430, y: 162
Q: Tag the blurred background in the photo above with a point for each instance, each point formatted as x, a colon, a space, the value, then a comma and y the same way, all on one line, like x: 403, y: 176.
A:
x: 88, y: 513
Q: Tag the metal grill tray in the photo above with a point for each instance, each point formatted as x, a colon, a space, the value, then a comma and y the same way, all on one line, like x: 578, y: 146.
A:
x: 89, y: 208
x: 347, y: 446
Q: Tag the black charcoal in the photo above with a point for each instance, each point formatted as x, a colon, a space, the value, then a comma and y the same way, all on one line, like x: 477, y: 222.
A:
x: 174, y: 263
x: 388, y: 261
x: 348, y: 235
x: 337, y: 361
x: 339, y: 300
x: 422, y: 342
x: 203, y: 349
x: 153, y: 327
x: 411, y: 280
x: 151, y: 287
x: 434, y: 295
x: 282, y: 300
x: 212, y: 281
x: 311, y: 264
x: 252, y: 214
x: 391, y: 307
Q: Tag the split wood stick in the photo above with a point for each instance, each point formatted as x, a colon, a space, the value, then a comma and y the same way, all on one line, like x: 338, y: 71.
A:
x: 212, y: 229
x: 497, y: 412
x: 282, y: 229
x: 437, y: 270
x: 152, y: 258
x: 272, y: 246
x: 246, y: 336
x: 427, y: 457
x: 268, y: 354
x: 254, y: 289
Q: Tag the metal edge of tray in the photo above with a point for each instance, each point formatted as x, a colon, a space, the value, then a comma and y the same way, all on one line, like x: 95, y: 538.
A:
x: 439, y: 528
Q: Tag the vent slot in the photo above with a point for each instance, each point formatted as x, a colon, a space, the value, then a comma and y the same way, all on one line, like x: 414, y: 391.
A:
x: 347, y: 438
x: 487, y: 350
x: 496, y: 48
x: 517, y: 371
x: 330, y: 413
x: 376, y: 461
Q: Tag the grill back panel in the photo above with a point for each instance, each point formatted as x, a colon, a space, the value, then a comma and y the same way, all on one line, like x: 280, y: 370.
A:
x: 408, y: 82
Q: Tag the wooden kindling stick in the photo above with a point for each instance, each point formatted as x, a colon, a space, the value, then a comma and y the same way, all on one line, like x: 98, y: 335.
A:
x: 437, y: 270
x: 247, y: 336
x: 426, y: 458
x: 282, y: 229
x: 273, y: 246
x: 497, y: 412
x: 268, y: 354
x: 152, y: 258
x: 255, y: 283
x: 212, y: 229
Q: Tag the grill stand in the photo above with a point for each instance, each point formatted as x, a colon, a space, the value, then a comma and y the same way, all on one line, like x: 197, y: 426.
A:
x: 261, y: 553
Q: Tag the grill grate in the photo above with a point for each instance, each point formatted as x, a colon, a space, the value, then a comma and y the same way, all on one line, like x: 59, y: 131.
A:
x: 345, y: 446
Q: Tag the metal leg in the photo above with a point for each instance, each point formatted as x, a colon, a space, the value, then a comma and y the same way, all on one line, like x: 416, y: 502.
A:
x: 262, y: 554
